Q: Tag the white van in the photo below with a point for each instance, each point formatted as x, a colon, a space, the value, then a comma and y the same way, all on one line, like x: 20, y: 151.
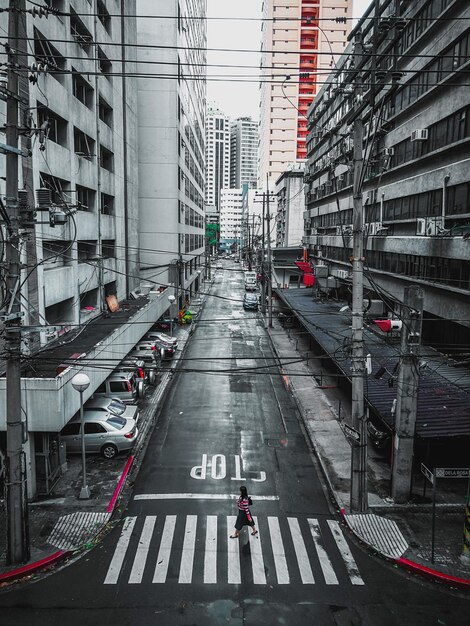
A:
x: 251, y: 284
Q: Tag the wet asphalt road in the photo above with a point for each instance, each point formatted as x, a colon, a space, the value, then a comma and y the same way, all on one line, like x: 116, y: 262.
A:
x: 170, y: 561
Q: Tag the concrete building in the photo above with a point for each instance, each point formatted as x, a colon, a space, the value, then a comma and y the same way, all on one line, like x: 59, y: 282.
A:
x: 231, y: 213
x: 289, y: 216
x: 297, y: 55
x: 243, y: 152
x: 217, y: 155
x: 416, y: 189
x: 172, y: 109
x: 86, y: 165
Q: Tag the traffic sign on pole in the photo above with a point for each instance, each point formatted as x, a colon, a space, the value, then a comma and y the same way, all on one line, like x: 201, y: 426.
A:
x: 452, y: 472
x: 350, y: 432
x: 427, y: 473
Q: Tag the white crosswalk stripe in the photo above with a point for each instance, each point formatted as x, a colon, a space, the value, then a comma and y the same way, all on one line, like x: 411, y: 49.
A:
x: 285, y: 551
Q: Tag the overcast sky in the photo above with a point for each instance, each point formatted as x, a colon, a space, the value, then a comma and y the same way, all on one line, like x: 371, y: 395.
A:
x: 237, y: 97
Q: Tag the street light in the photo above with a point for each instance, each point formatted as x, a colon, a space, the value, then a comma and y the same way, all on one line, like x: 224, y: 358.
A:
x: 81, y: 382
x: 171, y: 300
x: 199, y: 281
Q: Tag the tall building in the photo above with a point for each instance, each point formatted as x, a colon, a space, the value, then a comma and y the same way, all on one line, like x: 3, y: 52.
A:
x: 290, y: 208
x: 217, y: 155
x: 231, y: 214
x: 243, y: 152
x: 297, y: 55
x: 172, y: 108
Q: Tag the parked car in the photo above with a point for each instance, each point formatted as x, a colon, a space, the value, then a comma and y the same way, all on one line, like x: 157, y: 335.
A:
x: 140, y: 367
x: 107, y: 435
x: 158, y: 335
x: 250, y: 302
x: 149, y: 347
x: 164, y: 349
x: 113, y: 406
x: 152, y: 367
x: 123, y: 385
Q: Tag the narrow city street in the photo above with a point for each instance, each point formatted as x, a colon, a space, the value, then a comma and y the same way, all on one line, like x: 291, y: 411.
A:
x: 170, y: 560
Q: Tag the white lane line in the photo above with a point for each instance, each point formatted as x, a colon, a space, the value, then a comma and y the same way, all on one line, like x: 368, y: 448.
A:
x: 187, y: 557
x: 142, y: 550
x: 257, y: 563
x: 163, y: 558
x: 233, y: 554
x: 325, y: 563
x: 280, y: 561
x: 120, y: 552
x: 210, y: 555
x: 346, y: 554
x: 197, y: 496
x: 301, y: 552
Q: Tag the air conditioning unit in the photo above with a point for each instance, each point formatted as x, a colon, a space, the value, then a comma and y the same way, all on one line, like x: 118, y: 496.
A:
x: 328, y: 184
x: 388, y: 152
x: 434, y: 225
x: 420, y: 226
x: 372, y: 228
x: 420, y: 134
x: 340, y: 273
x: 339, y: 230
x: 341, y: 177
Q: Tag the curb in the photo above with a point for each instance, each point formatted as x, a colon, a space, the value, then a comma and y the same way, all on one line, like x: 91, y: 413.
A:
x: 412, y: 566
x: 62, y: 555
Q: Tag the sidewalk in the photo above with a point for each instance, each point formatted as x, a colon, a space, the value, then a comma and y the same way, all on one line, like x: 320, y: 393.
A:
x: 399, y: 533
x: 62, y: 525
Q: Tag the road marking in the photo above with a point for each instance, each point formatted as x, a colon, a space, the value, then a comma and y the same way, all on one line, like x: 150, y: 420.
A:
x: 346, y: 554
x: 187, y: 557
x: 210, y: 555
x: 301, y: 552
x: 325, y: 563
x: 257, y: 563
x: 163, y: 558
x: 280, y: 561
x: 120, y: 552
x: 199, y: 496
x: 142, y: 550
x: 233, y: 554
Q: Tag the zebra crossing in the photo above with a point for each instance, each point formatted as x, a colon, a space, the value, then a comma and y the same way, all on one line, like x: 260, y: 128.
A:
x: 197, y: 549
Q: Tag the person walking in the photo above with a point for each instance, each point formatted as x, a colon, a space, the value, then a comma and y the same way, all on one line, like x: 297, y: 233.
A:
x: 244, y: 517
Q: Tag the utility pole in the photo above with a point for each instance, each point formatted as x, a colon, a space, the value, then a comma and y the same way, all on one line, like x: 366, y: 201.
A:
x: 359, y: 499
x: 16, y: 497
x: 263, y: 273
x: 269, y: 276
x: 407, y: 394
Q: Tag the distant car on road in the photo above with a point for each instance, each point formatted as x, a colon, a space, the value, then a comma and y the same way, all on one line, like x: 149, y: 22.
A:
x: 250, y: 302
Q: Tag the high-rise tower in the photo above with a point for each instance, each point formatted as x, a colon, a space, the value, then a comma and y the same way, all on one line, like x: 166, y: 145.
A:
x: 243, y: 152
x: 297, y: 55
x: 217, y: 155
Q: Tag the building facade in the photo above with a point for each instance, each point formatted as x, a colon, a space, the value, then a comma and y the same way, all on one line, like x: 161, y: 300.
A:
x: 172, y: 109
x: 243, y: 152
x: 290, y: 196
x: 231, y: 214
x: 217, y: 155
x: 416, y: 155
x: 297, y: 55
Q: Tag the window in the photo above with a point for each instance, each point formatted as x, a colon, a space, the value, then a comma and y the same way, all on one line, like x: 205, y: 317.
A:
x: 70, y: 430
x: 105, y: 112
x: 108, y: 247
x: 44, y: 52
x: 117, y: 386
x: 105, y: 64
x: 107, y: 204
x: 104, y: 16
x: 57, y: 127
x: 81, y: 89
x: 93, y: 428
x: 55, y: 254
x: 106, y: 159
x: 85, y: 198
x: 84, y: 145
x: 79, y: 32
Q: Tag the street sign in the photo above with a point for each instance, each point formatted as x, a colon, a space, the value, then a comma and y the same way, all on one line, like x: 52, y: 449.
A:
x: 350, y: 432
x: 452, y: 472
x: 427, y: 473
